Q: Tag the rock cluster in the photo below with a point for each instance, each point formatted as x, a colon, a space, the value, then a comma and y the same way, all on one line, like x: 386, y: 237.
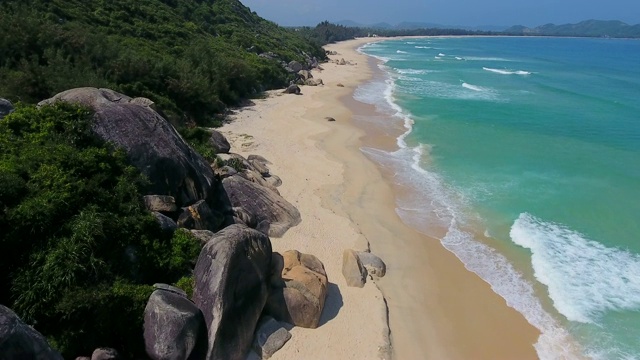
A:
x: 232, y: 207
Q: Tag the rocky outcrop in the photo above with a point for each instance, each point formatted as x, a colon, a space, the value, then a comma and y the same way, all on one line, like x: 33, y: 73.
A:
x: 219, y: 143
x: 295, y: 66
x: 151, y: 143
x: 304, y: 75
x: 273, y: 180
x: 270, y: 337
x: 200, y: 217
x: 20, y: 341
x: 298, y: 289
x: 174, y: 327
x: 292, y: 89
x: 166, y: 223
x: 262, y: 204
x: 202, y: 235
x: 6, y: 107
x: 354, y: 272
x: 231, y: 288
x: 313, y: 82
x: 373, y: 264
x: 160, y: 203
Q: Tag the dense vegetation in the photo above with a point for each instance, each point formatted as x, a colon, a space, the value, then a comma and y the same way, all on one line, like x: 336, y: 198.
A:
x: 326, y: 32
x: 588, y: 28
x: 192, y: 57
x: 79, y: 250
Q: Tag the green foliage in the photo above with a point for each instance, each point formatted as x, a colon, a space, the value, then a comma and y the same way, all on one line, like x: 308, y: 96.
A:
x: 235, y: 163
x: 186, y: 283
x: 198, y: 138
x: 79, y: 248
x: 191, y: 57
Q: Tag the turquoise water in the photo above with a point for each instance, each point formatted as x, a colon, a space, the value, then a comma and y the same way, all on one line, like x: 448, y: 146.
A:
x: 526, y: 151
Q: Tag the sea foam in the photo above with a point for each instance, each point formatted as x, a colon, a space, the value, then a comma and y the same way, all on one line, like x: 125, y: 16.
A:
x: 507, y: 72
x: 584, y: 278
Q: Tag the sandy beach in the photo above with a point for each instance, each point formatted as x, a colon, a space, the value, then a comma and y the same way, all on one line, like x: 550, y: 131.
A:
x: 428, y: 306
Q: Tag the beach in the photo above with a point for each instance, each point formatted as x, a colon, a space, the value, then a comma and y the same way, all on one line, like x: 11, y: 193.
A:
x: 428, y: 306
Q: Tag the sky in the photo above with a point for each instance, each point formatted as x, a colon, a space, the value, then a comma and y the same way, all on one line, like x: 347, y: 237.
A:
x: 446, y: 12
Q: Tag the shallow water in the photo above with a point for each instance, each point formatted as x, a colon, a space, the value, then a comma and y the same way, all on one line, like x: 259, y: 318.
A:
x: 526, y: 151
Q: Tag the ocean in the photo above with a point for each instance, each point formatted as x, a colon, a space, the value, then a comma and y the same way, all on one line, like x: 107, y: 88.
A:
x: 522, y: 155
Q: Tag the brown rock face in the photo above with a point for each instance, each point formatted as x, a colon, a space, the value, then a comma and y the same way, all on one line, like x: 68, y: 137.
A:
x: 298, y: 289
x: 352, y: 269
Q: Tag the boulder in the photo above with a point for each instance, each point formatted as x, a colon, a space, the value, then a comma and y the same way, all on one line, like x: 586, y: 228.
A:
x: 258, y: 158
x: 105, y: 354
x: 270, y: 336
x: 151, y: 143
x: 203, y: 235
x: 298, y: 289
x: 231, y: 288
x: 200, y: 217
x: 273, y: 180
x: 329, y: 118
x: 162, y: 203
x: 6, y: 107
x: 292, y: 89
x: 255, y: 177
x: 20, y: 341
x: 354, y: 272
x: 262, y: 204
x: 166, y: 223
x: 174, y: 327
x: 373, y: 264
x: 305, y: 74
x: 342, y: 62
x: 339, y: 85
x: 294, y: 66
x: 241, y: 216
x: 259, y: 167
x: 219, y: 143
x: 225, y: 171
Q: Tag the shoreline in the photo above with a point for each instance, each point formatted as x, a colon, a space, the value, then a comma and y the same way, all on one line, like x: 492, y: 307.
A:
x: 436, y: 307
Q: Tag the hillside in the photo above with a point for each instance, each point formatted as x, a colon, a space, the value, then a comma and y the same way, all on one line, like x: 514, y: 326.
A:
x: 191, y: 57
x: 588, y: 28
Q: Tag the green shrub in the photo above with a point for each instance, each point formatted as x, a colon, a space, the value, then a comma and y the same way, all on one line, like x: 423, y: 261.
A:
x: 79, y: 248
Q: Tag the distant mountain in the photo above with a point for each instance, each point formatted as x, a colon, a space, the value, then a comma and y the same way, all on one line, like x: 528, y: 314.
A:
x: 409, y: 25
x: 588, y: 28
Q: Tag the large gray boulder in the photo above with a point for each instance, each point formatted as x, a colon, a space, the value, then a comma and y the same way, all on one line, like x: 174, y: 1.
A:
x: 292, y: 89
x: 174, y: 327
x: 6, y: 107
x: 372, y: 263
x: 298, y: 289
x: 161, y: 203
x: 295, y: 66
x: 219, y: 143
x: 262, y: 204
x: 20, y: 341
x: 151, y: 143
x: 231, y: 288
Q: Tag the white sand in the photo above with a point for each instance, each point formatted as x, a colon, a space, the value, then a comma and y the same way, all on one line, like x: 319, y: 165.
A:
x: 438, y: 310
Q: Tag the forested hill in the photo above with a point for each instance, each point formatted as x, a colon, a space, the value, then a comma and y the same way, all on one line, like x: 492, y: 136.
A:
x: 588, y: 28
x: 191, y: 57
